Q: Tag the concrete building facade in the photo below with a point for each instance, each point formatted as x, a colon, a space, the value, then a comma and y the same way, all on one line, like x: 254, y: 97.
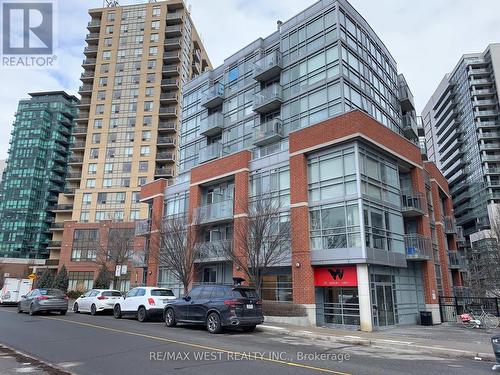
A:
x: 315, y: 116
x: 138, y: 57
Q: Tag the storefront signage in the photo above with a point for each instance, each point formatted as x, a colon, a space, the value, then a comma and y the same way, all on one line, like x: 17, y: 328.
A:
x: 336, y: 276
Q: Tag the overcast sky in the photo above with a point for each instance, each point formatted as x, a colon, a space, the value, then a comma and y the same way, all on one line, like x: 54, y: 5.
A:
x: 425, y: 37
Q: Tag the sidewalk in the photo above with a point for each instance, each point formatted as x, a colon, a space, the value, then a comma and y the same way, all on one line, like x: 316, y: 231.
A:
x: 445, y: 340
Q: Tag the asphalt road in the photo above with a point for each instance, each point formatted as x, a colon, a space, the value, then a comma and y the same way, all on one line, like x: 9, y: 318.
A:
x: 84, y: 344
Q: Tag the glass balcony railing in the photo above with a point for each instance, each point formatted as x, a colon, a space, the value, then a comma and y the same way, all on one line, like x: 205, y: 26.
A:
x: 210, y: 152
x: 142, y: 227
x: 269, y: 99
x: 213, y: 96
x: 410, y: 126
x: 268, y: 132
x: 212, y: 124
x: 219, y: 211
x: 267, y: 67
x: 209, y: 251
x: 418, y: 247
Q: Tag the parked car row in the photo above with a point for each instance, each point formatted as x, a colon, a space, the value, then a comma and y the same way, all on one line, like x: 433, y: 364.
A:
x: 216, y: 306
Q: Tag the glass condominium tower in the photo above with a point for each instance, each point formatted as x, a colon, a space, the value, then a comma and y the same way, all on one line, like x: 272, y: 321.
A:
x: 35, y: 172
x: 461, y: 123
x: 137, y: 59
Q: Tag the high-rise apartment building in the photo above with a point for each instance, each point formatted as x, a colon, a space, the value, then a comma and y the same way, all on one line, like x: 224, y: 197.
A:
x: 316, y: 116
x: 35, y: 172
x: 138, y: 57
x: 461, y: 122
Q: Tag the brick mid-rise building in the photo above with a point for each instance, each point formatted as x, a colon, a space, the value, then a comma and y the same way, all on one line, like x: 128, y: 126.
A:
x: 316, y: 116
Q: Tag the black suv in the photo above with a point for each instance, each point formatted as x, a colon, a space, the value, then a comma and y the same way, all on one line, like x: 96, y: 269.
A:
x: 217, y: 306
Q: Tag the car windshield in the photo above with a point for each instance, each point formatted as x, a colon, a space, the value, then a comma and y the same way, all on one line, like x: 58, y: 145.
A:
x: 51, y: 292
x: 245, y: 293
x: 111, y: 294
x: 162, y: 293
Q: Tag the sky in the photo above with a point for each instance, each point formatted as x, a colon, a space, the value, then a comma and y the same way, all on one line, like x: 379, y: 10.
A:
x: 425, y: 37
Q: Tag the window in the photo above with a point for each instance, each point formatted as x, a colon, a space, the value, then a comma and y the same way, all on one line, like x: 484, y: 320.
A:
x: 102, y: 198
x: 92, y: 169
x: 84, y: 216
x: 154, y: 39
x: 94, y: 153
x: 80, y: 281
x: 91, y: 183
x: 150, y: 78
x: 155, y: 25
x: 126, y: 167
x: 108, y: 168
x: 146, y: 135
x: 151, y: 64
x: 108, y: 42
x: 139, y: 39
x: 98, y: 123
x: 111, y: 16
x: 156, y: 11
x: 149, y: 91
x: 109, y: 30
x: 134, y: 215
x: 153, y: 51
x: 107, y: 182
x: 96, y: 138
x: 87, y: 198
x: 148, y: 106
x: 233, y: 74
x: 147, y: 120
x: 99, y: 109
x: 85, y: 242
x: 103, y: 81
x: 105, y: 68
x: 125, y: 182
x: 145, y: 150
x: 143, y: 166
x: 106, y: 55
x: 101, y: 95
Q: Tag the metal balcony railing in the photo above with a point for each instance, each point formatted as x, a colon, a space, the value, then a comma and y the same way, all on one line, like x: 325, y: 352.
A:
x: 213, y: 212
x: 410, y: 126
x: 142, y: 227
x: 412, y: 204
x: 267, y: 67
x: 418, y: 247
x: 456, y: 260
x: 164, y: 172
x: 169, y: 125
x: 213, y: 96
x: 450, y: 225
x: 269, y: 99
x: 212, y: 151
x: 268, y: 132
x: 209, y: 251
x: 213, y: 124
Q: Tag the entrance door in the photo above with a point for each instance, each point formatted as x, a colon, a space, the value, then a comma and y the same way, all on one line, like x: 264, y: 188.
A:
x: 210, y: 275
x: 385, y: 305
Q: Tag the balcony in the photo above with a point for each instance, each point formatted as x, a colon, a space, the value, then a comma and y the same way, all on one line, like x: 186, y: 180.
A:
x: 171, y: 44
x: 405, y: 95
x: 268, y: 132
x: 485, y: 113
x: 167, y: 125
x: 165, y: 141
x: 77, y: 145
x: 170, y: 83
x: 172, y: 56
x: 213, y: 96
x: 95, y: 24
x: 85, y: 89
x: 54, y: 244
x: 175, y: 18
x: 170, y: 70
x: 215, y: 212
x: 213, y: 124
x: 268, y: 67
x: 269, y: 99
x: 75, y: 160
x: 410, y: 126
x: 211, y: 152
x: 450, y: 225
x: 62, y: 208
x: 87, y: 76
x: 173, y: 31
x: 212, y: 251
x: 92, y: 37
x: 74, y: 176
x: 169, y: 97
x: 164, y: 172
x: 488, y: 135
x: 80, y: 130
x: 168, y: 112
x: 165, y: 156
x: 460, y: 235
x: 87, y: 63
x: 456, y: 260
x: 143, y: 227
x: 56, y: 227
x: 197, y: 56
x: 412, y: 204
x: 52, y: 262
x: 481, y: 81
x: 90, y: 51
x: 418, y: 247
x: 69, y: 191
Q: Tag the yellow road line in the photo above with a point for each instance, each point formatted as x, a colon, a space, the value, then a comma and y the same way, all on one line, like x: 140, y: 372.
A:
x: 198, y: 346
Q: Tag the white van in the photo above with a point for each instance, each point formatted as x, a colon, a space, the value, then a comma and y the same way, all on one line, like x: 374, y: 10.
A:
x: 13, y: 289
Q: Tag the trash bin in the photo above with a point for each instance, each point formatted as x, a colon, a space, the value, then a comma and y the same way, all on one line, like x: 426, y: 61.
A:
x: 425, y: 318
x: 495, y: 342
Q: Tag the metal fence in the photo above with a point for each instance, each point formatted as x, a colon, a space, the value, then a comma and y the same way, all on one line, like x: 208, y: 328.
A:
x: 451, y: 307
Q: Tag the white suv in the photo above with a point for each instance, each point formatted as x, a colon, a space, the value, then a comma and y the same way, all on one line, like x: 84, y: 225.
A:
x: 143, y: 302
x: 96, y: 300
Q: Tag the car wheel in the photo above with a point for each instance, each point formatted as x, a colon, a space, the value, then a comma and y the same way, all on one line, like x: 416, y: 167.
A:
x: 19, y: 310
x: 75, y: 308
x: 170, y: 318
x: 117, y: 312
x: 62, y: 312
x: 213, y: 323
x: 32, y: 310
x: 93, y: 310
x: 249, y: 329
x: 142, y: 314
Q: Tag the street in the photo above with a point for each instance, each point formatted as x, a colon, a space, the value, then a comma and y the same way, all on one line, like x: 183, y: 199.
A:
x: 84, y: 344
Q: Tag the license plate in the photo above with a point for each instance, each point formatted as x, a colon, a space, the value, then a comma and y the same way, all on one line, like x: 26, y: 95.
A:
x: 249, y: 307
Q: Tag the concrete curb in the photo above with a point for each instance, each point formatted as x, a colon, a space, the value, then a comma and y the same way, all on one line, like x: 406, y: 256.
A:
x: 386, y: 344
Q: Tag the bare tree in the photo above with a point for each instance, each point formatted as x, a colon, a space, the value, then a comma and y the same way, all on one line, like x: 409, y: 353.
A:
x: 484, y: 262
x: 261, y: 241
x: 175, y: 239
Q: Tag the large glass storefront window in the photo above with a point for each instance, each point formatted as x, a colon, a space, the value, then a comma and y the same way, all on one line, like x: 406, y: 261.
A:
x: 277, y: 288
x: 341, y: 305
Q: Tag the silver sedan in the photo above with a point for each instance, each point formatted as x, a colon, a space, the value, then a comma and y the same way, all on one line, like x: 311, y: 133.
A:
x: 43, y: 300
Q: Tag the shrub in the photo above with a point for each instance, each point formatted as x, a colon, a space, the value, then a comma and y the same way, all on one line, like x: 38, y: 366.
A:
x: 46, y: 280
x: 275, y: 308
x: 103, y: 280
x: 61, y: 280
x: 74, y: 294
